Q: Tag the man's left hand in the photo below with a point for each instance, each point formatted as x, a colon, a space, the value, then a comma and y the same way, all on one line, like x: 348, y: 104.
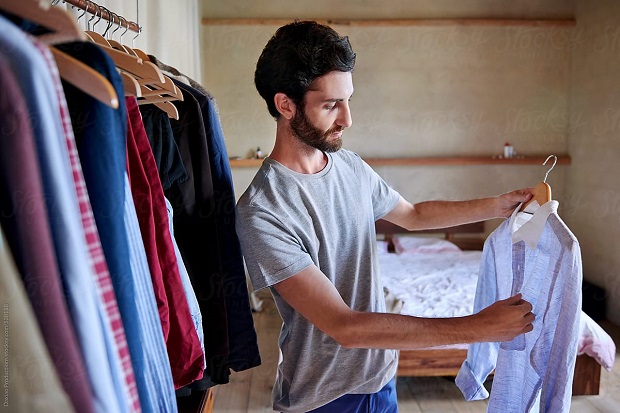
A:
x: 506, y: 203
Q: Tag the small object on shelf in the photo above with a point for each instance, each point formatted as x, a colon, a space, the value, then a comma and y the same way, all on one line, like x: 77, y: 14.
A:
x: 259, y: 153
x: 509, y: 150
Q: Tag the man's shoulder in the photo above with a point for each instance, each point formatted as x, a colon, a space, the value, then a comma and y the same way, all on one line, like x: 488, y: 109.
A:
x: 266, y: 185
x: 347, y: 156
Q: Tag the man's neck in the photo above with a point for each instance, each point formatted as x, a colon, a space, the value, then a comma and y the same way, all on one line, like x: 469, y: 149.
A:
x: 296, y: 155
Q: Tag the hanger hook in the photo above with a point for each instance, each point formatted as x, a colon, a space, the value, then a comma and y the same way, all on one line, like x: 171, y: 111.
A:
x: 94, y: 15
x: 555, y: 160
x: 99, y: 12
x: 126, y: 28
x: 85, y: 8
x: 118, y: 24
x: 137, y: 34
x: 110, y: 21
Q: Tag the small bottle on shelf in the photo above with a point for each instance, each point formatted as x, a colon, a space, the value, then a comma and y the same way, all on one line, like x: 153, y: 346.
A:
x: 259, y: 153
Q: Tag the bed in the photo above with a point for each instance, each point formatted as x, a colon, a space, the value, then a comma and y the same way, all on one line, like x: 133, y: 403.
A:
x: 430, y: 276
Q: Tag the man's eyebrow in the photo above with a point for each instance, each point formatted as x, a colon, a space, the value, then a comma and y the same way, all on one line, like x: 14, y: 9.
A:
x: 337, y: 99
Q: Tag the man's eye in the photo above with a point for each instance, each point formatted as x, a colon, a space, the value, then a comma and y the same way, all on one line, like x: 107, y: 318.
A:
x: 331, y: 107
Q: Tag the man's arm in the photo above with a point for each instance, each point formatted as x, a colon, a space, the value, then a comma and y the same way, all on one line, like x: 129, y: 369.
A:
x: 442, y: 214
x: 311, y: 294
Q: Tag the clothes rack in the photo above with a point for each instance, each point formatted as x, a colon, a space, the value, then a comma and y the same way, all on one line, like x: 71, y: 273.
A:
x: 94, y: 8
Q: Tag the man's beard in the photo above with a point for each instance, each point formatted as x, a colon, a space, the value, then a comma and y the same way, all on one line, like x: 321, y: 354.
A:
x: 313, y: 136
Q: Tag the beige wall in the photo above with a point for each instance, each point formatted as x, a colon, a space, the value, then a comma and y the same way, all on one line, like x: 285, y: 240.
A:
x: 436, y: 91
x: 443, y: 91
x: 593, y: 181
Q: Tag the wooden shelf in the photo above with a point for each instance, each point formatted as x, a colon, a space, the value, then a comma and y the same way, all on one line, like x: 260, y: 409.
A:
x: 489, y: 22
x: 433, y: 161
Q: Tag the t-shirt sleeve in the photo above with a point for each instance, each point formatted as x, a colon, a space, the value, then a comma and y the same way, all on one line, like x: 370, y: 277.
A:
x: 384, y: 198
x: 272, y: 252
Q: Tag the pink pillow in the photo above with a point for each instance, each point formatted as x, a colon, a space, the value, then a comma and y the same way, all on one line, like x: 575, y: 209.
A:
x: 411, y: 244
x: 595, y: 342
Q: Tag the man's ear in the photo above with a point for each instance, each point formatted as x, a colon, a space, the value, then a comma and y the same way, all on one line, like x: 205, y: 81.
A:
x: 284, y: 105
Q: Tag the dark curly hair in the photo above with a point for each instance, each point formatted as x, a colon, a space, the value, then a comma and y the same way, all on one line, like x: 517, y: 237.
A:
x: 295, y: 56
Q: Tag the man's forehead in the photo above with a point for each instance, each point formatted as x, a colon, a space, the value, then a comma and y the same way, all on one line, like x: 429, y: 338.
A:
x: 333, y: 86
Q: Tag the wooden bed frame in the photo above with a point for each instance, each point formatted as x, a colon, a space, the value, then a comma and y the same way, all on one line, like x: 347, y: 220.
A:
x: 447, y: 362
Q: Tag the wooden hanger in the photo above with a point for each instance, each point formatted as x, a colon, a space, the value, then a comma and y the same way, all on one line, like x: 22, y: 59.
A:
x: 62, y: 25
x: 131, y: 85
x: 169, y: 108
x: 121, y: 46
x: 85, y: 78
x: 97, y: 38
x: 542, y: 190
x: 142, y: 55
x: 64, y: 28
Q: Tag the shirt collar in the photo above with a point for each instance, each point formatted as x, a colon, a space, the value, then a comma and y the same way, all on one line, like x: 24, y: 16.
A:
x: 531, y: 230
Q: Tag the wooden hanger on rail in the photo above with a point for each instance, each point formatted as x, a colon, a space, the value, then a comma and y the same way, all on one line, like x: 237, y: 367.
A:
x: 64, y: 28
x: 141, y: 78
x: 61, y: 24
x: 542, y: 190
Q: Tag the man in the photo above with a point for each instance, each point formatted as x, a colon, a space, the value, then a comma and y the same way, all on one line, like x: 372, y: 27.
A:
x: 306, y: 225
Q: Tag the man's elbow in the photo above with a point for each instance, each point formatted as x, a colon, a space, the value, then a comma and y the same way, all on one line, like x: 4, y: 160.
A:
x: 347, y: 334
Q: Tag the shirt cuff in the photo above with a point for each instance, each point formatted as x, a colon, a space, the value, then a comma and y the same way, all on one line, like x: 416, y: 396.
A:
x: 471, y: 387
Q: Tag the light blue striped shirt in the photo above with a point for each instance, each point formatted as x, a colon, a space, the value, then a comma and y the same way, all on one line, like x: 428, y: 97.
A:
x: 149, y: 356
x: 542, y: 260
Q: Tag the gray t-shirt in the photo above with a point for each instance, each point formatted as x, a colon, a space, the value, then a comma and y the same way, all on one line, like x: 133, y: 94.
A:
x: 289, y: 221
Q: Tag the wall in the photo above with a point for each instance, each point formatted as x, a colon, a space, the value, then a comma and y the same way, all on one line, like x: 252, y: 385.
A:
x: 593, y: 204
x: 419, y: 91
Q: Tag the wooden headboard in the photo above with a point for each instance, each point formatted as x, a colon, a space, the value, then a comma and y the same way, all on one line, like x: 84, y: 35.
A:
x: 473, y: 242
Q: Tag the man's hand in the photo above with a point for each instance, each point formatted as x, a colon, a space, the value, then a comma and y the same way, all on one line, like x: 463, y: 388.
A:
x: 506, y: 319
x: 506, y: 203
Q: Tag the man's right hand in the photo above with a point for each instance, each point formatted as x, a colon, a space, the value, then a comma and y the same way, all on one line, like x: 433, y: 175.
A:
x: 506, y: 319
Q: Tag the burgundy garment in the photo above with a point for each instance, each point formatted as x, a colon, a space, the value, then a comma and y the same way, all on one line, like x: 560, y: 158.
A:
x: 184, y: 350
x: 23, y: 216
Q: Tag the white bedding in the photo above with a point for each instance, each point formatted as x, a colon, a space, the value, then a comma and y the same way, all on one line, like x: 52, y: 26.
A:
x: 432, y: 285
x: 443, y: 284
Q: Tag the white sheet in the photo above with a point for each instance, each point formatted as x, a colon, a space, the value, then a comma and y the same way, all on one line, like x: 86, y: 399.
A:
x: 432, y: 285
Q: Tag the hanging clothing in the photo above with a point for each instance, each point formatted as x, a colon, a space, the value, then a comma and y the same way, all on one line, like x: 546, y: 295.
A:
x: 77, y: 273
x: 27, y: 355
x: 190, y: 294
x: 184, y: 350
x: 115, y: 339
x: 171, y: 171
x: 100, y: 133
x: 534, y: 371
x: 174, y: 73
x: 195, y: 233
x: 243, y: 348
x: 155, y: 384
x: 165, y: 151
x: 27, y: 224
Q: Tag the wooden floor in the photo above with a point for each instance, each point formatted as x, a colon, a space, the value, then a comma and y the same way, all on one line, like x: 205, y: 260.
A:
x: 250, y: 391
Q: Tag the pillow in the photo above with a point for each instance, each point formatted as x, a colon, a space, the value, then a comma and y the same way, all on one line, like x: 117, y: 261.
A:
x: 595, y: 342
x: 406, y: 244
